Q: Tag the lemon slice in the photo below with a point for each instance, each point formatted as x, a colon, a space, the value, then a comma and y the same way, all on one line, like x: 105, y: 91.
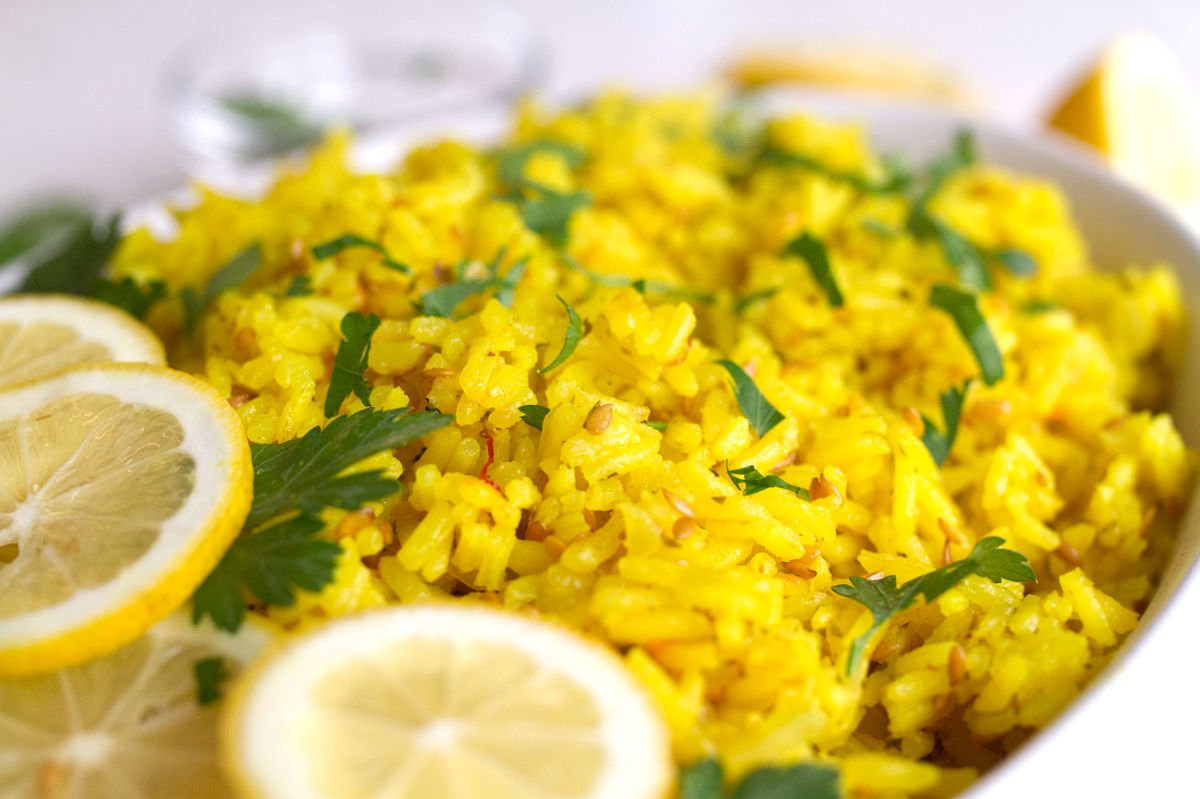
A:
x: 46, y: 333
x: 443, y: 702
x: 121, y: 485
x: 126, y: 726
x: 1137, y: 108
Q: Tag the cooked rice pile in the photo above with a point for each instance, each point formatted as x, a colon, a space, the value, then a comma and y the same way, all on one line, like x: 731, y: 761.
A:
x: 721, y: 603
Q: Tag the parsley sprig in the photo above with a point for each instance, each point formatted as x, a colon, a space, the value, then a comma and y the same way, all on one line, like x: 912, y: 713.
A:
x: 885, y: 600
x: 350, y: 363
x: 511, y: 161
x: 211, y: 675
x: 761, y: 413
x: 940, y: 442
x: 350, y: 241
x: 704, y: 779
x: 135, y: 299
x: 749, y: 480
x: 570, y: 340
x: 234, y: 273
x: 76, y: 265
x: 963, y: 308
x: 443, y: 300
x: 279, y: 551
x: 896, y: 177
x: 534, y: 415
x: 810, y: 249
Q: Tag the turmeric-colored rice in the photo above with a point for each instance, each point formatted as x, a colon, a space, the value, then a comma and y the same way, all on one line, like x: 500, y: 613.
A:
x: 721, y: 603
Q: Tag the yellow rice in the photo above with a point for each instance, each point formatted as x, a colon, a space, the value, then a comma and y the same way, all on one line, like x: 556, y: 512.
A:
x: 721, y: 603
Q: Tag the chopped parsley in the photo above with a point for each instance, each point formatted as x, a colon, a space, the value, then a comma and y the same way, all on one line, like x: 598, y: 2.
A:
x: 967, y: 260
x: 211, y: 675
x: 896, y: 176
x: 743, y: 303
x: 704, y: 779
x: 750, y: 480
x: 761, y: 413
x: 940, y: 442
x: 549, y: 212
x: 134, y: 298
x: 963, y: 308
x: 656, y: 425
x: 442, y: 300
x: 278, y: 551
x: 234, y: 273
x: 570, y: 340
x: 349, y: 241
x: 301, y: 286
x: 510, y: 162
x: 534, y: 415
x: 1017, y: 262
x: 41, y: 226
x: 810, y: 249
x: 885, y: 600
x: 350, y: 364
x: 76, y: 265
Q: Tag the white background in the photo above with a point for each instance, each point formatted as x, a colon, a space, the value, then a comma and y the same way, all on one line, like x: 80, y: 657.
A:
x: 81, y: 108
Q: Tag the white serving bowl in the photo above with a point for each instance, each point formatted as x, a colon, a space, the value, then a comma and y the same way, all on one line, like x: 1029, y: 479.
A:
x: 1131, y: 733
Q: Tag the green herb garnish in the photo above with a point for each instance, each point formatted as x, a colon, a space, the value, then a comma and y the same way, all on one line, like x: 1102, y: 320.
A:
x: 549, y: 213
x: 350, y: 364
x: 1017, y: 262
x: 301, y: 286
x: 885, y: 600
x: 966, y: 259
x: 749, y: 480
x: 510, y: 162
x: 269, y: 565
x: 704, y: 780
x: 76, y: 266
x: 1040, y: 306
x: 656, y: 425
x: 939, y: 442
x: 350, y: 241
x: 278, y: 124
x: 41, y: 226
x: 570, y: 340
x: 963, y: 153
x: 879, y: 228
x: 534, y: 415
x: 442, y: 300
x: 640, y: 285
x: 211, y: 675
x: 963, y: 308
x: 743, y: 303
x: 812, y: 252
x: 130, y: 296
x: 754, y: 405
x: 896, y: 174
x: 234, y: 273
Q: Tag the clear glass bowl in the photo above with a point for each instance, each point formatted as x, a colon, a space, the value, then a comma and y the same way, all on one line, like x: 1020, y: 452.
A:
x: 268, y: 85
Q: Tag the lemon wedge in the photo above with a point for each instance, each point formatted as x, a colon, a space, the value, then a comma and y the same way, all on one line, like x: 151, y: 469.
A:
x: 125, y: 726
x: 443, y: 702
x: 43, y: 334
x: 1137, y: 108
x: 121, y: 485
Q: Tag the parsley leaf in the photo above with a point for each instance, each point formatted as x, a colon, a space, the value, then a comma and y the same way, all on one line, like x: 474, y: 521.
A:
x: 963, y: 153
x: 660, y: 426
x: 963, y: 308
x: 211, y: 674
x: 570, y: 340
x: 234, y: 273
x: 348, y: 241
x: 76, y: 266
x: 286, y: 475
x: 885, y: 600
x: 270, y: 565
x: 879, y: 228
x: 301, y: 286
x: 129, y: 295
x: 1017, y: 262
x: 510, y: 162
x: 39, y: 226
x: 703, y: 780
x: 936, y: 441
x: 743, y: 303
x: 549, y: 214
x: 812, y: 252
x: 896, y: 174
x: 968, y: 261
x: 350, y: 364
x: 534, y: 415
x: 442, y: 300
x: 762, y: 414
x: 749, y: 480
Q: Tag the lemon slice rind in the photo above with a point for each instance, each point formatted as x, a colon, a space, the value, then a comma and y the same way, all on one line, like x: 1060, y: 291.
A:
x: 100, y: 619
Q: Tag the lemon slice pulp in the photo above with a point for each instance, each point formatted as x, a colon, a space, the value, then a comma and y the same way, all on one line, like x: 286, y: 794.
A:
x: 127, y: 726
x: 444, y: 702
x: 121, y: 486
x: 1138, y: 109
x: 43, y: 334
